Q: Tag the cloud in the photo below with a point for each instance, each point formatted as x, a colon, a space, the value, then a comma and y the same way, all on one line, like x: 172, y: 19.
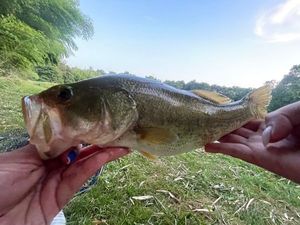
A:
x: 281, y: 23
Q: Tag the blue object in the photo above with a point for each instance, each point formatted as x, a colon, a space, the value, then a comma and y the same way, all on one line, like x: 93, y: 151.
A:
x: 72, y: 155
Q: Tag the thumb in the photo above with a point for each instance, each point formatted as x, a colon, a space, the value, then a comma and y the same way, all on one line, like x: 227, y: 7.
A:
x: 280, y: 123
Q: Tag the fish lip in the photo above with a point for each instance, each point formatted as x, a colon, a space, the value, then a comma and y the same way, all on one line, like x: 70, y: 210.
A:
x: 31, y: 108
x: 24, y: 110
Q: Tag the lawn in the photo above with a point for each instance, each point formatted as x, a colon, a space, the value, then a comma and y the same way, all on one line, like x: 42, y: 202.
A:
x: 11, y: 92
x: 192, y: 188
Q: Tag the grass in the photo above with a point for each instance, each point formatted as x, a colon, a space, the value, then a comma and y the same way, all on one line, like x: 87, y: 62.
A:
x: 192, y: 188
x: 11, y: 92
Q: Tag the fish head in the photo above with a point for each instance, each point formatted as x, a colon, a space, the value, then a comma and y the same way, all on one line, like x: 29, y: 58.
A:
x: 65, y: 116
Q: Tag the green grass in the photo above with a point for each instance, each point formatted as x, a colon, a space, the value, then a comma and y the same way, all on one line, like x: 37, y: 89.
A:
x: 192, y: 188
x: 11, y: 92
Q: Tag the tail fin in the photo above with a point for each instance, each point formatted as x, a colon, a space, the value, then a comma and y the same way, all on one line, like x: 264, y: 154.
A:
x: 259, y: 100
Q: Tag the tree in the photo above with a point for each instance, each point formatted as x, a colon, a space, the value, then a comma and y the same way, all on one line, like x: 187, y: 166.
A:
x: 58, y: 22
x: 193, y: 85
x: 178, y: 84
x: 152, y: 78
x: 288, y: 89
x: 20, y: 45
x: 49, y: 73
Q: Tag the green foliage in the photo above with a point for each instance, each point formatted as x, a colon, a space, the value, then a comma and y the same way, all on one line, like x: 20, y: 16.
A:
x: 193, y: 85
x: 288, y: 89
x: 20, y: 45
x: 39, y: 32
x: 12, y: 89
x: 178, y: 84
x: 65, y: 74
x: 148, y: 77
x: 80, y: 74
x: 49, y: 73
x: 28, y: 75
x: 60, y: 20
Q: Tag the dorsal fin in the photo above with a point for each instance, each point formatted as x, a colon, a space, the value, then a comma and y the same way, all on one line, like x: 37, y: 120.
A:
x: 212, y: 96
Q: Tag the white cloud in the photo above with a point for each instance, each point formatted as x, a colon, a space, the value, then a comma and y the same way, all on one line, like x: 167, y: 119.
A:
x: 281, y: 23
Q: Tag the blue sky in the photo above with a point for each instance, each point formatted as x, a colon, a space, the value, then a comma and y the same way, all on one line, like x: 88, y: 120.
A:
x: 230, y: 42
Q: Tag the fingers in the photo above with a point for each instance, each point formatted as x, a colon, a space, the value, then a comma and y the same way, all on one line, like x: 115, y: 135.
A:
x: 95, y: 157
x: 77, y: 174
x: 266, y: 135
x: 253, y: 125
x: 90, y: 150
x: 76, y: 154
x: 243, y: 132
x: 296, y: 132
x: 236, y: 150
x: 279, y: 126
x: 281, y: 123
x: 292, y: 111
x: 232, y: 138
x: 27, y: 154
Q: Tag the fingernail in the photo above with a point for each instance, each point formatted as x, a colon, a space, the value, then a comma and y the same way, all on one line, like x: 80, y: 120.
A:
x: 71, y: 157
x: 266, y: 135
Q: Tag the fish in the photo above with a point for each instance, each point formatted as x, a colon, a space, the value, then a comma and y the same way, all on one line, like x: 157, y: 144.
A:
x: 134, y: 112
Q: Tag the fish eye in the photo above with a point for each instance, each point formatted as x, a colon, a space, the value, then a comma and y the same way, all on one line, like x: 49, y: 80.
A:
x: 65, y: 94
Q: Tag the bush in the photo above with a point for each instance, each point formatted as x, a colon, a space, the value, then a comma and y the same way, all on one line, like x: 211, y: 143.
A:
x: 28, y: 75
x: 50, y: 74
x: 288, y: 89
x: 65, y: 74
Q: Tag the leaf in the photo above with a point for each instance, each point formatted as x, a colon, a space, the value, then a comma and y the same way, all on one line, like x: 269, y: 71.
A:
x: 170, y: 194
x: 142, y: 198
x: 202, y: 210
x: 99, y: 222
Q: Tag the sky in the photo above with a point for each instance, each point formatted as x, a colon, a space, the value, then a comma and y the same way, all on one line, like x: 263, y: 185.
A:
x: 231, y: 43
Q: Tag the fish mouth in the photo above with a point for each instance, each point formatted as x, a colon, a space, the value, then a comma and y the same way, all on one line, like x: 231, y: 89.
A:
x: 42, y: 124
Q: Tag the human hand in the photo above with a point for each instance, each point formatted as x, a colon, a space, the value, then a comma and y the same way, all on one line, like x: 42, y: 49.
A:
x: 273, y: 144
x: 33, y: 191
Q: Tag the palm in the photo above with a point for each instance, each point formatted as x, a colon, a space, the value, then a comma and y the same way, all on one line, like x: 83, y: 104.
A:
x: 246, y: 143
x: 34, y: 191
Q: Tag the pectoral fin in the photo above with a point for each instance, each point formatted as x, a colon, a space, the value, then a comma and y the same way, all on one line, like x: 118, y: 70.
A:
x: 212, y: 96
x: 154, y: 136
x: 148, y: 155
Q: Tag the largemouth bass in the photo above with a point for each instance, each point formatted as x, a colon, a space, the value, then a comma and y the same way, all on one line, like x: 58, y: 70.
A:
x: 142, y: 114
